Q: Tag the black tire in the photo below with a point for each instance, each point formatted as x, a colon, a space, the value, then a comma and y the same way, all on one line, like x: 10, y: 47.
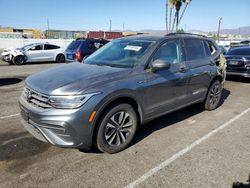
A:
x: 60, y: 58
x: 213, y: 96
x: 19, y: 60
x: 113, y: 136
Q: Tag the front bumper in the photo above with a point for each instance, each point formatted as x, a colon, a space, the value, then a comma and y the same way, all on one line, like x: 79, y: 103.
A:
x: 238, y: 71
x: 6, y: 58
x: 63, y: 128
x: 243, y: 74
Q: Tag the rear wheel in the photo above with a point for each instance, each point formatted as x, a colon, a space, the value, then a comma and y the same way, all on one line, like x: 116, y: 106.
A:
x: 117, y: 128
x: 19, y: 60
x: 214, y: 96
x: 60, y: 58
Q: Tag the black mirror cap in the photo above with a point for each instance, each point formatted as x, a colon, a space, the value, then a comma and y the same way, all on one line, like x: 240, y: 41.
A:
x: 159, y: 64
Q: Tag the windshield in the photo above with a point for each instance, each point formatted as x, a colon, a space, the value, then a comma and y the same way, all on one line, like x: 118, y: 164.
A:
x: 26, y: 47
x: 120, y: 53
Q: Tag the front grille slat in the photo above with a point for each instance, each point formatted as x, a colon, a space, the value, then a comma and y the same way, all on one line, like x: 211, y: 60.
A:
x: 36, y: 99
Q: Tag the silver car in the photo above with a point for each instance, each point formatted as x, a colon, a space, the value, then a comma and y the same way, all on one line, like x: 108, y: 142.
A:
x: 36, y: 52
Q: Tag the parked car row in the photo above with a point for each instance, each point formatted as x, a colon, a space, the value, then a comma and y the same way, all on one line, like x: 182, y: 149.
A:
x: 43, y: 52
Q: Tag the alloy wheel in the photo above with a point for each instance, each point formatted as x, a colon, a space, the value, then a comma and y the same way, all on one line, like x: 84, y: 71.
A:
x: 118, y: 128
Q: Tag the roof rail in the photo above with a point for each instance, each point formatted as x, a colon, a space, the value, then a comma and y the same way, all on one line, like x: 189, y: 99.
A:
x: 170, y: 34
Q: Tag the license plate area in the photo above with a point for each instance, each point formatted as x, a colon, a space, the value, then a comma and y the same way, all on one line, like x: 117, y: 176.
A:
x: 233, y: 62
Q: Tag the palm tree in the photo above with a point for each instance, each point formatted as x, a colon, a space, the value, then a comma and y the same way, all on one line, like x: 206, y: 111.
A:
x: 177, y: 4
x: 187, y: 2
x: 171, y: 6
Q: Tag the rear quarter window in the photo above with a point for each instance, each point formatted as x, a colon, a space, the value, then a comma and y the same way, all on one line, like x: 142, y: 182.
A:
x: 194, y: 49
x: 50, y: 47
x: 74, y: 45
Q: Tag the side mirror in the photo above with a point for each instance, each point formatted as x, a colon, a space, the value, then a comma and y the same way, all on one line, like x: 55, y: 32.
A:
x: 159, y: 64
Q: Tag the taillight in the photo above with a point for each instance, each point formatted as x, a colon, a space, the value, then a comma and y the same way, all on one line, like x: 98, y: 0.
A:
x: 247, y: 64
x: 78, y: 55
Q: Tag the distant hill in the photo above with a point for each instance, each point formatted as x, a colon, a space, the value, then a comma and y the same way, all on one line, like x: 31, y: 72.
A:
x: 245, y: 31
x: 241, y: 30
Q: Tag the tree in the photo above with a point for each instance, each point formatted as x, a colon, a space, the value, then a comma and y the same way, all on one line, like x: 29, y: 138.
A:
x: 187, y: 2
x: 177, y: 4
x: 180, y: 30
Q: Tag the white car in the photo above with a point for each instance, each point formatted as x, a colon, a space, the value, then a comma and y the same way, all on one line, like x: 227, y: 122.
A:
x: 36, y: 52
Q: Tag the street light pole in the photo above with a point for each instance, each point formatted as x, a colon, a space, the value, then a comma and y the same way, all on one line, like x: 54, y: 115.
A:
x: 167, y: 16
x: 110, y: 25
x: 219, y: 25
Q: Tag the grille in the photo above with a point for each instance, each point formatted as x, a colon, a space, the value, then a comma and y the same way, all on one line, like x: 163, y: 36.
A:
x: 36, y: 99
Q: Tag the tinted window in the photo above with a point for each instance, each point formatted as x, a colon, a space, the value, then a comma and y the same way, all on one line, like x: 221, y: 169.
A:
x: 50, y: 47
x: 35, y: 48
x: 74, y: 45
x: 239, y: 51
x: 194, y: 49
x: 169, y: 52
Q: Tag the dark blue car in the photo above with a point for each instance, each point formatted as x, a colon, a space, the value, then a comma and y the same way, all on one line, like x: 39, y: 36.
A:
x: 82, y: 47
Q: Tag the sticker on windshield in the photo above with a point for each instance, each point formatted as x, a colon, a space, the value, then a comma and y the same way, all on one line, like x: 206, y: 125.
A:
x: 133, y: 48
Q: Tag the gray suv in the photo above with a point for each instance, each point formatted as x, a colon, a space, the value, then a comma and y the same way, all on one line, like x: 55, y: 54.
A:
x: 127, y: 83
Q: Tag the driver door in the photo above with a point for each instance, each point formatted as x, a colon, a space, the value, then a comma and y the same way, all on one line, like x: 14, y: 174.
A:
x: 35, y: 53
x: 166, y: 89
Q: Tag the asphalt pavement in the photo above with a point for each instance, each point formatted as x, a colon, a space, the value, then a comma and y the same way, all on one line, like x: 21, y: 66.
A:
x: 188, y: 148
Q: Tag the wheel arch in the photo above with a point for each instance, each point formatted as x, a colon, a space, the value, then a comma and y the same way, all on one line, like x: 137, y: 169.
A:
x: 60, y: 53
x: 128, y: 99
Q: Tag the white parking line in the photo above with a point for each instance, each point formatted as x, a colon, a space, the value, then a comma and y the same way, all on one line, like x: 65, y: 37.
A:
x: 184, y: 151
x: 10, y: 116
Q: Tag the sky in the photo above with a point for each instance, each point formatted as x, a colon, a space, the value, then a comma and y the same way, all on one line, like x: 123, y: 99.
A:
x: 132, y: 14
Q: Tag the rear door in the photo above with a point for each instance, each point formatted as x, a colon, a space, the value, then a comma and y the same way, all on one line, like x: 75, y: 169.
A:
x: 166, y: 89
x: 50, y: 51
x: 200, y: 66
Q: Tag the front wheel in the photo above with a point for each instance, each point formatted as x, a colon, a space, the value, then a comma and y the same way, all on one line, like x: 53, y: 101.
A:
x: 213, y: 96
x: 19, y: 60
x: 117, y: 129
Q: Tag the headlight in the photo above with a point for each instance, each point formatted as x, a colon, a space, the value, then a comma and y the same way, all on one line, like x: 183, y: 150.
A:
x: 70, y: 102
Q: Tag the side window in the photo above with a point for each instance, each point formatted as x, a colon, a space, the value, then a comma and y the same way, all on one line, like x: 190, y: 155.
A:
x: 194, y: 49
x: 36, y: 48
x: 50, y: 47
x: 169, y: 51
x: 210, y: 48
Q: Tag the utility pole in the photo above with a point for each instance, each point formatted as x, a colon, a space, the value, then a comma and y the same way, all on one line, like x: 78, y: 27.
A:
x: 167, y: 16
x: 48, y: 23
x: 123, y: 27
x: 219, y: 25
x: 110, y: 25
x: 47, y: 33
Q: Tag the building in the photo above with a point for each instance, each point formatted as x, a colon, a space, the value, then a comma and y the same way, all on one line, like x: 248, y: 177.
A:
x: 20, y: 33
x: 131, y: 33
x: 105, y: 35
x: 64, y: 34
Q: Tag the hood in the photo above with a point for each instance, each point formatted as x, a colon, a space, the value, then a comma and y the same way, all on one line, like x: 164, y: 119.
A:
x: 12, y: 51
x: 73, y: 78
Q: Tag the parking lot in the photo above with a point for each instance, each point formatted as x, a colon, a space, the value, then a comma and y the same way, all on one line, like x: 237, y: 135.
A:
x: 188, y: 148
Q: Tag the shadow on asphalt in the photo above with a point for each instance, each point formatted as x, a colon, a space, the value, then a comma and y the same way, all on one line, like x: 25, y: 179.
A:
x: 238, y: 79
x: 19, y: 145
x: 172, y: 118
x: 9, y: 81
